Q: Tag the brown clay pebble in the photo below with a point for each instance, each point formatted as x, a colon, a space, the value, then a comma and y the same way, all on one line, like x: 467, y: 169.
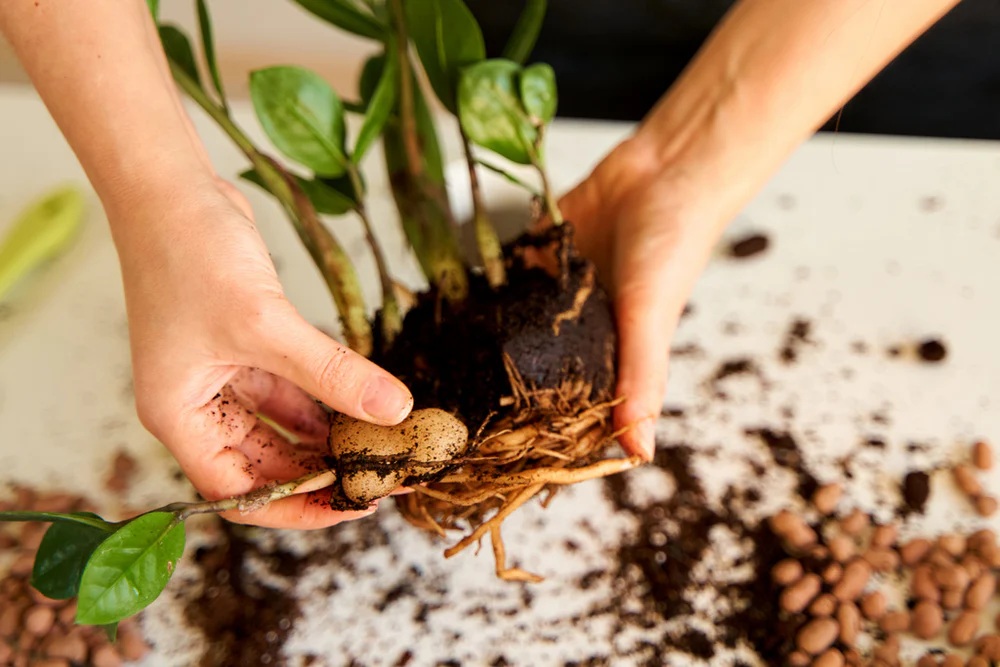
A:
x: 854, y: 523
x: 6, y: 652
x: 982, y: 538
x: 50, y: 662
x: 882, y: 560
x: 952, y: 599
x: 895, y: 621
x: 988, y: 646
x: 856, y: 575
x: 798, y: 659
x: 977, y: 661
x: 927, y: 620
x: 966, y: 480
x: 914, y: 551
x: 980, y: 591
x: 786, y: 572
x: 982, y: 455
x: 105, y: 656
x: 841, y: 548
x: 39, y: 620
x: 22, y: 565
x: 922, y: 584
x: 853, y: 657
x: 849, y: 619
x: 884, y: 536
x: 973, y: 566
x: 964, y: 628
x: 927, y: 660
x: 830, y: 658
x: 952, y: 660
x: 826, y: 497
x: 797, y: 597
x: 953, y: 544
x: 951, y: 577
x: 72, y: 648
x: 68, y: 614
x: 832, y: 573
x: 986, y: 506
x: 873, y: 605
x: 131, y: 644
x: 888, y: 651
x: 10, y: 619
x: 817, y: 635
x: 824, y: 605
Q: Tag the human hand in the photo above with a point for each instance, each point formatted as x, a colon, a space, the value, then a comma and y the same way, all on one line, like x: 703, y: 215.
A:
x: 650, y: 230
x: 215, y: 343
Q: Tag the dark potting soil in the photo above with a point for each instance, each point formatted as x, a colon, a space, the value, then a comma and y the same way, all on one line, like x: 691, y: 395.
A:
x: 932, y: 350
x: 916, y: 491
x: 798, y: 335
x: 748, y: 246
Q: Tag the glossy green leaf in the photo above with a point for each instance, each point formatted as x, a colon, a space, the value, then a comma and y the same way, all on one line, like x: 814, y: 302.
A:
x: 380, y: 106
x: 42, y: 231
x: 523, y: 38
x: 208, y: 45
x: 111, y: 630
x: 490, y: 110
x: 371, y: 75
x: 62, y: 556
x: 538, y: 93
x: 154, y: 8
x: 130, y: 569
x: 325, y: 197
x: 346, y: 15
x: 447, y: 38
x: 178, y: 49
x: 302, y: 115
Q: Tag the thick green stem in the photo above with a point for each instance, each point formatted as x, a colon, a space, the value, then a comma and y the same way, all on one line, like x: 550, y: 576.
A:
x: 487, y: 240
x: 333, y: 263
x: 392, y: 321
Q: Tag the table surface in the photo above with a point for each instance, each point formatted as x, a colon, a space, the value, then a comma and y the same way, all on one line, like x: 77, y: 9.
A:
x: 875, y: 241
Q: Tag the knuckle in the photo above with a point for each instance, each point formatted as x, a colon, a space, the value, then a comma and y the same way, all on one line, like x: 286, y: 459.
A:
x: 336, y: 368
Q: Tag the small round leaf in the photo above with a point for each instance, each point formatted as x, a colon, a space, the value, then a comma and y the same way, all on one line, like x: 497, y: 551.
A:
x: 538, y: 93
x: 490, y: 110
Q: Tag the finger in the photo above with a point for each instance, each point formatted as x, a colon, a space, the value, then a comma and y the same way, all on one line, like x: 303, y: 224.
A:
x: 280, y: 400
x: 336, y: 375
x: 276, y: 459
x: 643, y: 355
x: 309, y: 511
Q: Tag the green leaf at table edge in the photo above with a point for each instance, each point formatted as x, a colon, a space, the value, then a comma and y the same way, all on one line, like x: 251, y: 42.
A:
x: 380, y: 107
x: 62, y: 556
x: 524, y: 36
x: 208, y: 46
x: 491, y: 112
x: 177, y: 48
x: 345, y: 16
x: 537, y: 85
x: 163, y: 542
x: 277, y: 95
x: 325, y: 198
x: 447, y: 38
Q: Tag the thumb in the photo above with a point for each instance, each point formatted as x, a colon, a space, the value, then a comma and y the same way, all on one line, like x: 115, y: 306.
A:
x: 333, y: 373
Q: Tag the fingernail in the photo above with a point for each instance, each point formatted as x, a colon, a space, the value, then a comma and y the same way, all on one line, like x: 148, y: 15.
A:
x: 647, y: 439
x: 384, y: 401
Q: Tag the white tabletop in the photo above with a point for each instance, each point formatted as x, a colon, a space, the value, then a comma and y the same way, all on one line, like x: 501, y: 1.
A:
x: 872, y: 239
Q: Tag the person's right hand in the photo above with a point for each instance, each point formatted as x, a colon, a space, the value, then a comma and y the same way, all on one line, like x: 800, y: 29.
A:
x: 215, y: 343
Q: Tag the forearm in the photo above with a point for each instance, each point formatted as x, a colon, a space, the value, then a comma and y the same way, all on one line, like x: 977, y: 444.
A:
x: 97, y: 64
x: 768, y: 77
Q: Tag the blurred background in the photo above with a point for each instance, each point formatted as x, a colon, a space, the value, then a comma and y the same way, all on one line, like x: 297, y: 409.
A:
x: 614, y: 58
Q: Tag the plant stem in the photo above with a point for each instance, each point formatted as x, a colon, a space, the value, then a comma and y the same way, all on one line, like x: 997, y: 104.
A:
x: 538, y: 161
x: 333, y: 263
x: 487, y: 240
x: 392, y: 322
x: 497, y: 169
x: 257, y: 498
x: 56, y: 516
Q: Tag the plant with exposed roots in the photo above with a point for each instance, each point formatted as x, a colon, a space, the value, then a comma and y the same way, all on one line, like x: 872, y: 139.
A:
x: 510, y: 355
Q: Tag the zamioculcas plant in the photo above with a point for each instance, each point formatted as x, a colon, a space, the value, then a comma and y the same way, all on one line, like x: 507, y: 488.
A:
x: 510, y: 355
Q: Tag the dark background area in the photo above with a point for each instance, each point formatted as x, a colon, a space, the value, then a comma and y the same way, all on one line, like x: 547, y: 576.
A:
x: 614, y: 58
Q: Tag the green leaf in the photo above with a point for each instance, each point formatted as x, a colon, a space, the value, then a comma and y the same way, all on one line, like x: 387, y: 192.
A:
x: 490, y: 110
x: 82, y: 518
x: 371, y: 75
x: 111, y: 630
x: 178, y: 49
x: 380, y: 106
x: 41, y: 232
x: 302, y: 115
x: 130, y: 569
x: 154, y: 8
x: 62, y: 556
x: 325, y: 197
x: 525, y: 34
x: 447, y: 39
x: 208, y: 45
x: 347, y: 16
x: 430, y: 146
x: 538, y: 93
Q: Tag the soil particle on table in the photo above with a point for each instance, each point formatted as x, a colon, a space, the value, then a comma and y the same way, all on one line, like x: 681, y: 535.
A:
x: 749, y: 246
x: 916, y: 491
x: 787, y: 454
x: 798, y: 335
x: 932, y: 350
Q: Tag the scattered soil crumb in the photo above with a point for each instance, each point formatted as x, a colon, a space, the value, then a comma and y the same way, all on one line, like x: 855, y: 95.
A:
x: 748, y: 246
x: 932, y: 350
